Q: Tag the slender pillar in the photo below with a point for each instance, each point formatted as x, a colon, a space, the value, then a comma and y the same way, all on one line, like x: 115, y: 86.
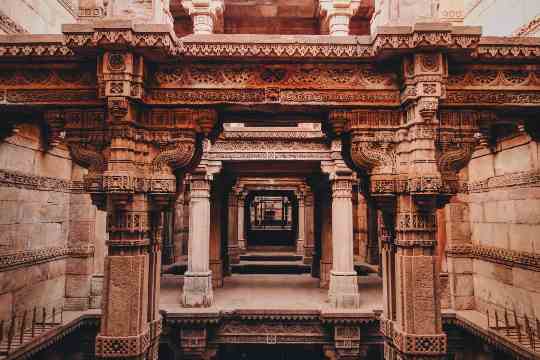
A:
x: 309, y: 243
x: 326, y: 239
x: 241, y: 215
x: 301, y: 225
x: 343, y: 292
x: 198, y: 278
x: 216, y: 264
x: 232, y: 228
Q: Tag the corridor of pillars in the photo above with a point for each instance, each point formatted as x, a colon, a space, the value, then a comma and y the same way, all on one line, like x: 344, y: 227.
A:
x: 316, y: 218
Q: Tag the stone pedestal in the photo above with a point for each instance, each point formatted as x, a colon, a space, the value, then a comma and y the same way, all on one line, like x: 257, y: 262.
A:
x: 343, y: 292
x: 197, y: 290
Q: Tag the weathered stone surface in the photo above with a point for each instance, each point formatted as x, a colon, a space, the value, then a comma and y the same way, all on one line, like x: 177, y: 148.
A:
x: 526, y: 279
x: 79, y: 266
x: 77, y: 286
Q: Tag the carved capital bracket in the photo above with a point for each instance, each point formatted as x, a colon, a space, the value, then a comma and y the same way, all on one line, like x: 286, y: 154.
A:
x: 336, y: 15
x: 207, y: 15
x: 157, y: 41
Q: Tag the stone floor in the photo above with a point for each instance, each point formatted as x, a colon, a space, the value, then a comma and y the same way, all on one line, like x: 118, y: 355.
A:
x: 274, y: 292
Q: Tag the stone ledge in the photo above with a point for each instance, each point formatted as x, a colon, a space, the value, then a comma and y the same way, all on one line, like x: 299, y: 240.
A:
x: 497, y: 255
x: 16, y: 259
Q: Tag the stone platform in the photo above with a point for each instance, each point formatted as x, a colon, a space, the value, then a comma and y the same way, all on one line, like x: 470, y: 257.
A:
x: 276, y: 292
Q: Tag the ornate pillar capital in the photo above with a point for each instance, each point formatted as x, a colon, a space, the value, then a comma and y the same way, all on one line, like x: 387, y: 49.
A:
x: 336, y: 15
x: 207, y: 15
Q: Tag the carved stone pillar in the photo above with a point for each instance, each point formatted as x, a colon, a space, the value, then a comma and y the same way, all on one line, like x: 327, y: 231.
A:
x: 207, y: 15
x: 309, y: 243
x: 343, y: 292
x: 326, y: 239
x: 301, y: 225
x: 197, y: 290
x: 336, y: 15
x: 232, y: 245
x: 216, y: 263
x: 241, y: 218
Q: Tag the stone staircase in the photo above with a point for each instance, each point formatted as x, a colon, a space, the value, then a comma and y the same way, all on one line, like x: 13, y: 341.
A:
x: 270, y: 263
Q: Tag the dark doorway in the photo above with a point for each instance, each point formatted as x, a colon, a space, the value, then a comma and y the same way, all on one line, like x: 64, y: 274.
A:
x: 271, y: 218
x: 270, y: 352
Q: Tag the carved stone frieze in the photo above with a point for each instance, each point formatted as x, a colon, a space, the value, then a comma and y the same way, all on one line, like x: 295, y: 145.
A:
x: 34, y: 182
x: 272, y: 95
x: 521, y: 178
x: 498, y: 255
x: 245, y: 332
x: 279, y: 76
x: 32, y: 77
x: 494, y: 77
x: 14, y: 259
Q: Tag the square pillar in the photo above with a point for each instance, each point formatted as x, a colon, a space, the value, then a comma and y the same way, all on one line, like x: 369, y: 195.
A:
x: 241, y: 217
x: 309, y: 243
x: 343, y: 292
x: 198, y: 277
x: 232, y: 227
x: 301, y: 225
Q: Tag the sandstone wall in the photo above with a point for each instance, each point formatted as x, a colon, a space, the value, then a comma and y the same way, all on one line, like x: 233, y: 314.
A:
x: 48, y: 228
x: 504, y: 212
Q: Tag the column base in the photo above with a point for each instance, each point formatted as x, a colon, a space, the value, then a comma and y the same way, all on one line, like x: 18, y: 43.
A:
x: 343, y: 292
x: 234, y: 254
x: 125, y: 347
x: 300, y: 247
x: 197, y: 290
x: 308, y: 255
x: 241, y: 246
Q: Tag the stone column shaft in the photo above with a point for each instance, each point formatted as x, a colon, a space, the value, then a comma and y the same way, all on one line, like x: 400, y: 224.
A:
x: 241, y: 218
x: 301, y: 227
x: 232, y: 227
x: 338, y: 24
x: 309, y: 243
x: 326, y: 240
x: 198, y: 278
x: 128, y: 304
x: 343, y: 292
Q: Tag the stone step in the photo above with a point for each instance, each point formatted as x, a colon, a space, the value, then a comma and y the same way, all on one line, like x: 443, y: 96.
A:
x: 270, y: 267
x: 270, y: 256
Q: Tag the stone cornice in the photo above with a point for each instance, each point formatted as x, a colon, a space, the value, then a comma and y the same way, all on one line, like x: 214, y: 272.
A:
x: 503, y: 256
x: 16, y: 259
x: 522, y: 178
x: 160, y: 38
